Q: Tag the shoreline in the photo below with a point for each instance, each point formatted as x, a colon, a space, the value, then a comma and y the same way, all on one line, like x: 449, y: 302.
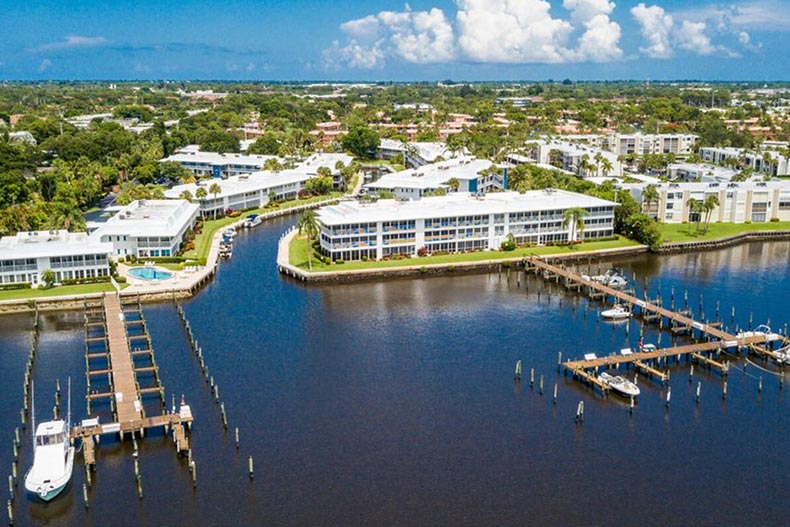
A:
x: 443, y: 269
x: 181, y: 287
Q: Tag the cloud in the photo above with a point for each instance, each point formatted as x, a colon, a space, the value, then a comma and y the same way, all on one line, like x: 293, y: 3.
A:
x: 511, y: 31
x: 762, y: 15
x: 73, y: 41
x: 420, y: 37
x: 691, y: 36
x: 44, y: 65
x: 655, y: 26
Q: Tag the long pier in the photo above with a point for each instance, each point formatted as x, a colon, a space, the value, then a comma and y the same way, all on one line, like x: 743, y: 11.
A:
x: 107, y: 325
x: 718, y: 339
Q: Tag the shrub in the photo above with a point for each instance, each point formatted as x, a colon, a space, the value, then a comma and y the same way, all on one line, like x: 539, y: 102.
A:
x: 774, y: 220
x: 12, y: 287
x: 86, y: 280
x: 120, y: 279
x: 340, y: 261
x: 422, y: 251
x: 423, y: 269
x: 748, y: 221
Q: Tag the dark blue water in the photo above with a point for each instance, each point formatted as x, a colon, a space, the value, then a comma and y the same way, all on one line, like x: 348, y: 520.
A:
x: 394, y: 403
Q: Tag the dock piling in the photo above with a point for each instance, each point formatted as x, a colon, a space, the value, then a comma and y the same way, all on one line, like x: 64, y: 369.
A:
x: 555, y: 393
x: 517, y: 376
x: 699, y: 388
x: 85, y: 495
x: 237, y: 438
x: 250, y: 467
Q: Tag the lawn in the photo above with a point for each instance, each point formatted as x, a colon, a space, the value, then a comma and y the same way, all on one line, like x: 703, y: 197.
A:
x: 210, y: 227
x: 63, y: 290
x: 297, y: 255
x: 680, y: 232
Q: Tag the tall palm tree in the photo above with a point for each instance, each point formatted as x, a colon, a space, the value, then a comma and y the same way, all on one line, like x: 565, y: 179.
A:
x: 215, y: 189
x: 598, y: 159
x: 201, y: 194
x: 650, y: 196
x: 574, y: 217
x: 606, y: 166
x: 308, y: 224
x: 711, y: 202
x: 695, y: 207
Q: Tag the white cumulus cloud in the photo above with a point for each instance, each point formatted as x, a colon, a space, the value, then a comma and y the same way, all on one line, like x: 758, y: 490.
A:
x: 655, y: 25
x: 420, y: 37
x: 691, y: 36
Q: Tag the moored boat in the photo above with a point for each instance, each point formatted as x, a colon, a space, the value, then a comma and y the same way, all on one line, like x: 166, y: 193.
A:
x: 253, y: 220
x: 53, y: 457
x: 618, y: 312
x: 619, y: 384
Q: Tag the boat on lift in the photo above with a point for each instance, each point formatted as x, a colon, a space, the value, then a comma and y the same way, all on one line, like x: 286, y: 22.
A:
x: 619, y: 384
x: 53, y: 455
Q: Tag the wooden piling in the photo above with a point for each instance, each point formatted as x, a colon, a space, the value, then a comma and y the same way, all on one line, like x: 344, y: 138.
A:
x: 250, y: 467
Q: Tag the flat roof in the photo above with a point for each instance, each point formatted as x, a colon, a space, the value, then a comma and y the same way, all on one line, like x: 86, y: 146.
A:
x: 434, y: 175
x: 235, y: 185
x: 320, y: 159
x: 215, y: 158
x: 41, y: 244
x: 153, y: 217
x: 456, y: 204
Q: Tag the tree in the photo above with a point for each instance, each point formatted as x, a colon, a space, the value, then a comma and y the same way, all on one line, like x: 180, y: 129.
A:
x: 48, y: 277
x: 574, y: 217
x: 711, y: 202
x: 606, y: 166
x: 215, y: 189
x: 66, y: 215
x: 308, y: 224
x: 187, y: 195
x: 324, y: 172
x: 319, y: 185
x: 453, y: 184
x: 695, y: 209
x: 361, y: 141
x: 649, y: 196
x: 273, y: 164
x: 267, y: 145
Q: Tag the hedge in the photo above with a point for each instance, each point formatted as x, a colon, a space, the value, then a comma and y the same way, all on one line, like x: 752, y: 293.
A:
x: 12, y: 287
x: 86, y: 280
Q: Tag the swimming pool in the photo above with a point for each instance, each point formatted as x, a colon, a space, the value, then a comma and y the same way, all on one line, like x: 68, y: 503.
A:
x: 150, y: 273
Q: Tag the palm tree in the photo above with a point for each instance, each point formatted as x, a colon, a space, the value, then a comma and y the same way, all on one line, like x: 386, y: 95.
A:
x: 650, y: 196
x: 187, y: 195
x: 695, y: 207
x: 308, y: 224
x: 711, y: 202
x: 574, y: 217
x: 187, y: 178
x: 201, y: 194
x: 215, y: 189
x: 598, y: 159
x: 606, y: 166
x: 66, y: 215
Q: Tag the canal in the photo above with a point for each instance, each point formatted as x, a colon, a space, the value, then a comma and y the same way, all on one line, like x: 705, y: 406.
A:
x: 394, y: 403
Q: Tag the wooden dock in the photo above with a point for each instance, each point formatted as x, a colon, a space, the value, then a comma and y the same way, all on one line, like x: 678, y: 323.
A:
x: 107, y: 325
x: 718, y: 340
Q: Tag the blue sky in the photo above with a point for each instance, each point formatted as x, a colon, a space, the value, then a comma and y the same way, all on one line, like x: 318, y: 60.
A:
x: 392, y: 40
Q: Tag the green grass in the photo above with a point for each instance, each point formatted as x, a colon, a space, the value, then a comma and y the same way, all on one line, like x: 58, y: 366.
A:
x: 210, y: 227
x: 297, y: 255
x: 169, y: 266
x: 680, y: 232
x: 63, y: 290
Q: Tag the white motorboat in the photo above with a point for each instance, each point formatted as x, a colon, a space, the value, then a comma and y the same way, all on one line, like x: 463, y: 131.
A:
x: 619, y: 384
x: 53, y: 457
x: 611, y: 278
x: 760, y: 331
x: 616, y: 282
x: 253, y: 220
x: 229, y: 233
x: 618, y: 312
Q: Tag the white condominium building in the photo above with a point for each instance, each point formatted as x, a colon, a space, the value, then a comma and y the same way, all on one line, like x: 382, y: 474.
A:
x: 768, y: 161
x: 584, y: 161
x: 218, y: 165
x: 27, y: 255
x: 752, y: 201
x: 147, y: 228
x: 470, y: 173
x: 457, y: 222
x: 637, y: 143
x: 700, y: 172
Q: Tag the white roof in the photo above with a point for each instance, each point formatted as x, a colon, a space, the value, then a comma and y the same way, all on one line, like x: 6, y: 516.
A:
x: 153, y: 217
x: 50, y: 427
x: 235, y: 185
x: 214, y: 158
x: 705, y: 171
x: 755, y: 184
x: 317, y: 160
x: 42, y: 244
x: 456, y: 204
x: 434, y: 175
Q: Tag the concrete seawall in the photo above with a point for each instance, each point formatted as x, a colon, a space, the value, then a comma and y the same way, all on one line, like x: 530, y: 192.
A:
x: 720, y: 243
x: 426, y: 270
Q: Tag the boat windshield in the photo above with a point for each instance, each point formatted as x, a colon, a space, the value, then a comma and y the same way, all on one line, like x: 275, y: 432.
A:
x: 53, y: 439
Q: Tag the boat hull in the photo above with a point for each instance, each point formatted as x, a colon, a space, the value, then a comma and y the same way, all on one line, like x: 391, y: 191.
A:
x: 51, y: 488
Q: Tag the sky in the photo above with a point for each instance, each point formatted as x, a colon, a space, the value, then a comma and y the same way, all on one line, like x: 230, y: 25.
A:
x: 355, y: 40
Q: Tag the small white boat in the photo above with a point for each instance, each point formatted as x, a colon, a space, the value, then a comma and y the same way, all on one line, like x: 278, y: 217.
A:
x: 619, y: 384
x: 229, y: 233
x: 616, y: 282
x: 253, y: 220
x: 760, y: 331
x: 618, y: 312
x: 611, y: 278
x: 53, y: 457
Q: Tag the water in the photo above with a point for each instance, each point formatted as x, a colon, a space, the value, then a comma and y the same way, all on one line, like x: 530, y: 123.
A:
x: 394, y: 403
x: 150, y: 273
